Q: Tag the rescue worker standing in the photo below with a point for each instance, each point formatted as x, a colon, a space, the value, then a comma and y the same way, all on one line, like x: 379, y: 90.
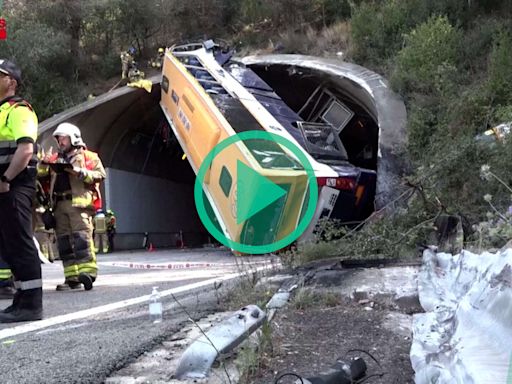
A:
x: 75, y: 197
x: 159, y: 59
x: 42, y: 232
x: 127, y: 58
x: 100, y: 232
x: 111, y: 229
x: 43, y: 236
x: 18, y: 161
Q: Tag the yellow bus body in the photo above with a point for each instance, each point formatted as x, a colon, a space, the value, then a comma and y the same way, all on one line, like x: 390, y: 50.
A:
x: 199, y: 126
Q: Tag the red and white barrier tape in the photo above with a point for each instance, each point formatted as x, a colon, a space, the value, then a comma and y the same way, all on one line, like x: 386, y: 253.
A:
x: 179, y: 265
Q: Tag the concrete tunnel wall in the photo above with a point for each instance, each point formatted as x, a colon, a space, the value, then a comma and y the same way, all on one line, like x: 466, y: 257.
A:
x: 372, y: 92
x: 148, y: 186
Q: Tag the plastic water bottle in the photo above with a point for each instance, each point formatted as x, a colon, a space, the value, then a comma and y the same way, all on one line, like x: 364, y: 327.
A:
x: 155, y: 306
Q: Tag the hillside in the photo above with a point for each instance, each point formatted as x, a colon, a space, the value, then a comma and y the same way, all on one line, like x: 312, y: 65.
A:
x: 449, y: 59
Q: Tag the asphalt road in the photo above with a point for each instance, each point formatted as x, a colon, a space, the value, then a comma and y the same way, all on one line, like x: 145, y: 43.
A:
x: 87, y: 336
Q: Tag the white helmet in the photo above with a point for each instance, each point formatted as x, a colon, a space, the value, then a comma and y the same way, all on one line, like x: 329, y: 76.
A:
x: 72, y: 131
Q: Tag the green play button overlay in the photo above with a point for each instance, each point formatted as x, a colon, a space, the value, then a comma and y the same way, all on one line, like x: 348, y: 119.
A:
x: 258, y: 192
x: 247, y: 203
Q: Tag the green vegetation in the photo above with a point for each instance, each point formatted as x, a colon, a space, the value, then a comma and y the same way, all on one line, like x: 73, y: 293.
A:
x: 253, y: 357
x: 247, y: 291
x: 449, y: 59
x: 307, y: 297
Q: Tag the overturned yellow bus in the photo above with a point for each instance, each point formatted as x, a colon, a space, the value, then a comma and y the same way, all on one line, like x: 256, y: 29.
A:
x: 201, y: 121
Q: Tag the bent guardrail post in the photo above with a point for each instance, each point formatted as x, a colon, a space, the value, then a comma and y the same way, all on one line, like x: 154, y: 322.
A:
x: 200, y: 355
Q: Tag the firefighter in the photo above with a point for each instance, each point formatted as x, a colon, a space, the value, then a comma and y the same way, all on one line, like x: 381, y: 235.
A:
x: 130, y: 68
x: 18, y: 161
x: 127, y: 59
x: 43, y: 232
x: 135, y: 74
x: 43, y: 236
x: 100, y: 232
x: 159, y: 59
x: 111, y: 229
x: 75, y: 176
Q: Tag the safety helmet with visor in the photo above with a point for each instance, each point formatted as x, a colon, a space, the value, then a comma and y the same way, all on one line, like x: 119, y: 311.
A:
x: 72, y: 131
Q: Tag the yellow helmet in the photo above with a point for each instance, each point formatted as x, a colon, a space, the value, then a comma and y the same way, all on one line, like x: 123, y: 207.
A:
x: 160, y: 50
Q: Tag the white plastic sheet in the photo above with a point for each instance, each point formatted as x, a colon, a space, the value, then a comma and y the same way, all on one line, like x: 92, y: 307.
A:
x: 465, y: 336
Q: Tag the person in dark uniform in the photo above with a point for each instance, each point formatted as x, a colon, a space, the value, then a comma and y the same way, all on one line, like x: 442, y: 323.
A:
x: 18, y: 162
x: 111, y: 229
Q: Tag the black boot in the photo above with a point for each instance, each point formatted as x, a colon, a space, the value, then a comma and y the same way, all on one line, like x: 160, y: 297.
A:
x: 14, y: 304
x: 7, y: 292
x: 86, y: 280
x: 29, y: 307
x: 69, y: 284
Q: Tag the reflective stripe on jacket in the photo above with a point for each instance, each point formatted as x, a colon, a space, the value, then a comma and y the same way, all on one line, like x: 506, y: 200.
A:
x: 85, y: 191
x: 17, y: 121
x: 5, y: 274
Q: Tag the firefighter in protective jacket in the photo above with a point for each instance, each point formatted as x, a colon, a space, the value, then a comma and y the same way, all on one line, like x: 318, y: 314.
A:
x: 100, y: 232
x: 75, y: 176
x: 127, y: 61
x: 111, y: 229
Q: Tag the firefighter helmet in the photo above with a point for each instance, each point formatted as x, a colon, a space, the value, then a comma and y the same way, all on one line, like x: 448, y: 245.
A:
x: 72, y: 131
x: 160, y: 50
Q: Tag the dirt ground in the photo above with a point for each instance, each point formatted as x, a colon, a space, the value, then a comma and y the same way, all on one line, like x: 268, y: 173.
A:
x: 308, y: 341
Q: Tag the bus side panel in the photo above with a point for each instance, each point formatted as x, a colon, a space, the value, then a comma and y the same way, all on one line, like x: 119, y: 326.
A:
x: 204, y: 132
x: 187, y: 104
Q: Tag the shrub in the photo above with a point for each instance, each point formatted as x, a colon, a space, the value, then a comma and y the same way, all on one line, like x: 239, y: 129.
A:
x: 500, y: 73
x: 428, y: 61
x: 497, y: 229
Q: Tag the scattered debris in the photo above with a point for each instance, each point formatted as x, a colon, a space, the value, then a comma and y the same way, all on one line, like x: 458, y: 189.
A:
x: 450, y: 235
x: 200, y: 355
x: 498, y: 133
x: 341, y: 372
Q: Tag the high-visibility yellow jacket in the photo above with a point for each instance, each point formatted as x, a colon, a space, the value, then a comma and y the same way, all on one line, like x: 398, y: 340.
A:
x: 18, y: 122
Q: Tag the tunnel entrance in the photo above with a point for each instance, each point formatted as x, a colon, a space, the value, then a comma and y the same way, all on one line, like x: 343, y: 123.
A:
x: 375, y: 136
x: 149, y: 186
x: 318, y: 98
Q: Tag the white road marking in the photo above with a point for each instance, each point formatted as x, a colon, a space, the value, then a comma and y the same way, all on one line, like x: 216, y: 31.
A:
x: 109, y: 280
x: 36, y: 325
